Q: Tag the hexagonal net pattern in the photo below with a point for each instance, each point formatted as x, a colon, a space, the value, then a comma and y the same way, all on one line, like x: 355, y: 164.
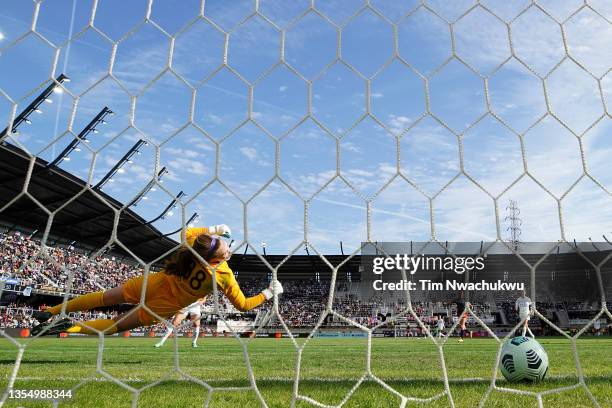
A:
x: 221, y: 74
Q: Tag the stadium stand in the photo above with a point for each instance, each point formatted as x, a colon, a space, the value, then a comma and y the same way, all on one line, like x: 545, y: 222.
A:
x: 301, y: 304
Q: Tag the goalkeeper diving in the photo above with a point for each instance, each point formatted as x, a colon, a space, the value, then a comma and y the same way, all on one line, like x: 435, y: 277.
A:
x: 182, y: 282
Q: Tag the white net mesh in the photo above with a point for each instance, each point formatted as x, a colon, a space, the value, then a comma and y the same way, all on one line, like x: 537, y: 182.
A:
x: 360, y: 121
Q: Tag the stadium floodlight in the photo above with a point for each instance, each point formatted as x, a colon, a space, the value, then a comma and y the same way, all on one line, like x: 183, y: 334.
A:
x: 190, y: 223
x: 171, y: 206
x: 149, y: 187
x: 163, y: 171
x: 34, y: 106
x: 593, y: 244
x: 81, y: 137
x: 264, y: 245
x: 341, y: 248
x: 193, y: 219
x: 109, y: 176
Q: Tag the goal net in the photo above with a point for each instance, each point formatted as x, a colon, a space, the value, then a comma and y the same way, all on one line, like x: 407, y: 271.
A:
x: 314, y: 129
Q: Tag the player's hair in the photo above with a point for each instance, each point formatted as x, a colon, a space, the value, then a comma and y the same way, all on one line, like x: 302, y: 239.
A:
x: 182, y: 261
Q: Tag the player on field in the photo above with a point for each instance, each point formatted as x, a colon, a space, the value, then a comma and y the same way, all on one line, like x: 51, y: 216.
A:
x: 463, y: 315
x: 194, y: 313
x: 523, y: 307
x: 183, y: 281
x: 439, y: 326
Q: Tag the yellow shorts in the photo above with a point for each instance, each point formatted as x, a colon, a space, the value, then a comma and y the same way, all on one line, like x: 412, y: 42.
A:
x: 158, y: 297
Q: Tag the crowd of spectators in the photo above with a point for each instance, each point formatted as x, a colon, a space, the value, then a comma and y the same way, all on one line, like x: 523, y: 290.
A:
x: 50, y: 268
x: 16, y: 316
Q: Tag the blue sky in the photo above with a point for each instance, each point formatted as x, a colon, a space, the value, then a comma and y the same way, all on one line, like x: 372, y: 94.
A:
x: 385, y: 121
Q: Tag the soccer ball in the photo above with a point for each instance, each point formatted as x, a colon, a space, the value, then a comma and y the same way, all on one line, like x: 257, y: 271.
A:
x: 523, y: 359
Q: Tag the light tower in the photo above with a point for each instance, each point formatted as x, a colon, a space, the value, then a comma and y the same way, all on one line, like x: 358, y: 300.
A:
x: 515, y: 224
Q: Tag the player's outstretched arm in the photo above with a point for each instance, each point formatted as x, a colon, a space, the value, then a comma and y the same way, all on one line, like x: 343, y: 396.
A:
x: 236, y: 297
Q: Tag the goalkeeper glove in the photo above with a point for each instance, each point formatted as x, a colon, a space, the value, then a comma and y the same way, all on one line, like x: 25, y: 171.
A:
x: 275, y: 287
x: 222, y: 230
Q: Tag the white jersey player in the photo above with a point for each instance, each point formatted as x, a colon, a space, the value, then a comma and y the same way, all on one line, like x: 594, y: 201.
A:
x: 194, y: 312
x: 439, y: 326
x: 523, y: 307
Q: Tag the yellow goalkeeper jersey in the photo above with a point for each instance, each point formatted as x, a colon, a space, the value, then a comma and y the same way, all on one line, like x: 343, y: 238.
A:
x: 199, y: 282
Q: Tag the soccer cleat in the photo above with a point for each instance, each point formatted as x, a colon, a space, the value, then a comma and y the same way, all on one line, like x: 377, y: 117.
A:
x: 56, y: 327
x: 194, y: 345
x: 460, y: 340
x: 41, y: 315
x: 158, y: 344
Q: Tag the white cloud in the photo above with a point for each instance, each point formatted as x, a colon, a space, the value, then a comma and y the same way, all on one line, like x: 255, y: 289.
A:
x: 287, y: 118
x: 359, y: 173
x: 351, y: 147
x: 398, y: 123
x: 249, y: 152
x: 215, y: 119
x: 186, y: 165
x: 185, y: 153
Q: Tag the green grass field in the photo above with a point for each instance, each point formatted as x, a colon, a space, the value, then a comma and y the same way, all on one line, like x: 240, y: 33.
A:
x: 330, y: 368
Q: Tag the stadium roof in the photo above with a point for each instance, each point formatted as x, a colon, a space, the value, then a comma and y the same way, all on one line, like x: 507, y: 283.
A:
x: 85, y: 217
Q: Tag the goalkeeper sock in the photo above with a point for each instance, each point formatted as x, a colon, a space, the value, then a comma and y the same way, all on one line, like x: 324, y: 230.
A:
x: 196, y: 335
x: 84, y: 302
x: 108, y: 326
x: 529, y: 330
x: 524, y: 331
